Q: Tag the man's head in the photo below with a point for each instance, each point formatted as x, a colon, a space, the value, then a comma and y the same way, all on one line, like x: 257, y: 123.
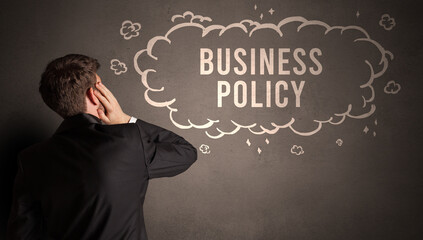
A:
x: 67, y: 85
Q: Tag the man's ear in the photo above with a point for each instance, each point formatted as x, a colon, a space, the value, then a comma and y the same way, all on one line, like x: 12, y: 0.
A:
x: 92, y: 97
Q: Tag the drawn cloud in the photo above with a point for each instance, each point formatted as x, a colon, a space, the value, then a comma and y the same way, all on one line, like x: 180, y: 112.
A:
x: 205, y: 149
x: 118, y: 67
x: 130, y: 29
x: 387, y: 22
x: 248, y: 28
x: 297, y: 150
x: 392, y: 87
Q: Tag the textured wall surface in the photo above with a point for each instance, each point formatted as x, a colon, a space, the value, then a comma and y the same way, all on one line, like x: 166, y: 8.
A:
x: 306, y: 114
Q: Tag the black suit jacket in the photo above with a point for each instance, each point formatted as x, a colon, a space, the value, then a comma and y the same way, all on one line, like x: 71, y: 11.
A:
x: 88, y: 181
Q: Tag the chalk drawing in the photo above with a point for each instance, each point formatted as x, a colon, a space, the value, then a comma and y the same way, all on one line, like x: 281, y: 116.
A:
x: 250, y: 27
x: 130, y: 29
x: 366, y: 130
x: 118, y: 67
x: 392, y: 87
x: 297, y: 150
x: 387, y: 22
x: 205, y: 149
x: 339, y: 142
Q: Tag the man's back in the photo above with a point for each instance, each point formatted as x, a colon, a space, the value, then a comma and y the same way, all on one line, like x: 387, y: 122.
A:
x: 88, y: 181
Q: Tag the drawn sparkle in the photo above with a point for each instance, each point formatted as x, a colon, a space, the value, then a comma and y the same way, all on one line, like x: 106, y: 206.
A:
x: 374, y: 134
x: 261, y: 16
x: 258, y: 150
x: 248, y: 142
x: 255, y: 7
x: 271, y: 11
x: 267, y: 141
x: 366, y: 130
x: 357, y: 14
x: 376, y: 122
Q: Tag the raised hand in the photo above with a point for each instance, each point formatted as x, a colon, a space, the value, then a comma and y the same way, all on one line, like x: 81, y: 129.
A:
x: 114, y: 113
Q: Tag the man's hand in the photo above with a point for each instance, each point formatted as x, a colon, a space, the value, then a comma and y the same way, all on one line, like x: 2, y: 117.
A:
x: 114, y: 113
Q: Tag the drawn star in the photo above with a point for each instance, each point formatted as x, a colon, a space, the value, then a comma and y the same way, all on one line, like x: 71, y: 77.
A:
x: 261, y: 16
x: 259, y: 150
x: 255, y: 7
x: 248, y: 142
x: 366, y: 130
x: 357, y: 14
x: 271, y: 11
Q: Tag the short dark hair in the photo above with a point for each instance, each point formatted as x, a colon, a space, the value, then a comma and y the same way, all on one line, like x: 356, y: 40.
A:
x: 65, y: 82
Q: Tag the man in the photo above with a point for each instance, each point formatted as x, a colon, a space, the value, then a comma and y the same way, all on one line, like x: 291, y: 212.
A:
x: 88, y: 181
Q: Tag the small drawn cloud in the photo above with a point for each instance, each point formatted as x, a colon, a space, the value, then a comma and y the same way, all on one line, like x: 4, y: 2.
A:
x: 392, y: 87
x: 130, y: 29
x: 118, y: 67
x: 339, y: 142
x: 205, y: 149
x: 297, y: 150
x: 387, y: 22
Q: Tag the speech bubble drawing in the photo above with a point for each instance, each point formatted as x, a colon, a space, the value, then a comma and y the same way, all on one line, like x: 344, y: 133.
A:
x: 249, y: 29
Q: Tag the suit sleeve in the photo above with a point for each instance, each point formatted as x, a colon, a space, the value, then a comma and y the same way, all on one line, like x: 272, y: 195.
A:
x: 166, y: 153
x: 25, y: 219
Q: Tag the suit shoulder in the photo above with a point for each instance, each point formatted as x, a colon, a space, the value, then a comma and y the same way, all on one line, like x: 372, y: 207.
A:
x: 118, y: 129
x: 34, y: 149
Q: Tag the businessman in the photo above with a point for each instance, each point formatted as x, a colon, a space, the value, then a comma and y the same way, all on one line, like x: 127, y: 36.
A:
x: 89, y: 179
